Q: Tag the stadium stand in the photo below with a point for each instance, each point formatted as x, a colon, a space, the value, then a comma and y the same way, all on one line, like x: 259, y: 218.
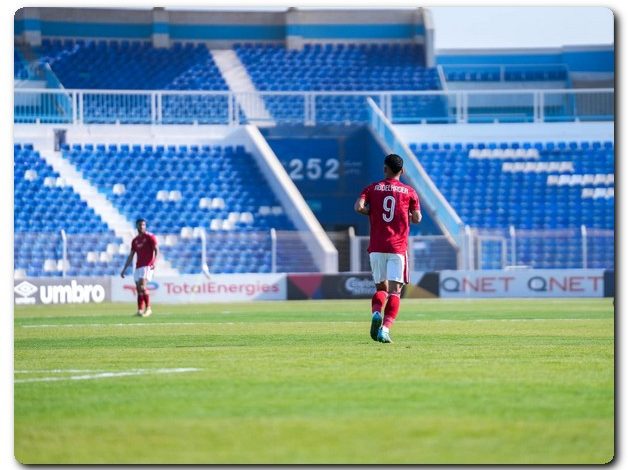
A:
x: 131, y: 65
x: 555, y: 187
x: 44, y: 205
x: 136, y: 65
x: 342, y: 68
x: 180, y: 188
x: 539, y: 189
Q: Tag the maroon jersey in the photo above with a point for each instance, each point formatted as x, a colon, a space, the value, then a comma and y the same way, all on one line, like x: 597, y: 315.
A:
x: 390, y: 203
x: 144, y: 246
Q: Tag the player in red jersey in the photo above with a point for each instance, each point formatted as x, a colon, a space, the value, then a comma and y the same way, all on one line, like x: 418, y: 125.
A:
x: 145, y: 246
x: 390, y: 206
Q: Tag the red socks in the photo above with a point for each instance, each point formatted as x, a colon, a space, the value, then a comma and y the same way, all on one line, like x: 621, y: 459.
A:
x: 140, y: 301
x: 147, y: 300
x: 377, y: 302
x: 392, y: 309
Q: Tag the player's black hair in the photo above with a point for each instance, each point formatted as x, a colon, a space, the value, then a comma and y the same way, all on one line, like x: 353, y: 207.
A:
x: 140, y: 220
x: 394, y: 162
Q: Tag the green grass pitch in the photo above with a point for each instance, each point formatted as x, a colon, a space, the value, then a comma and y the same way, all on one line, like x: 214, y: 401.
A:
x: 495, y: 381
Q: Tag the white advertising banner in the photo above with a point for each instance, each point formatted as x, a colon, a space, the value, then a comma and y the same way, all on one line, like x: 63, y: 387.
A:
x: 197, y: 288
x: 522, y: 283
x: 57, y: 290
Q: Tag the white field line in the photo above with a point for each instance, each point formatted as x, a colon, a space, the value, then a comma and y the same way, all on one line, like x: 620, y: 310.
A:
x: 75, y: 325
x: 98, y: 325
x: 102, y: 375
x: 56, y: 371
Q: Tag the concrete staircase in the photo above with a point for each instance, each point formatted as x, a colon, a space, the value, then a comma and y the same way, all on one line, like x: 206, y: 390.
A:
x: 121, y: 226
x: 239, y: 81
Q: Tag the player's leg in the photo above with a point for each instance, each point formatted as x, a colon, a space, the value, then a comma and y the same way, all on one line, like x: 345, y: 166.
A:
x: 137, y: 277
x: 140, y: 297
x: 147, y: 277
x: 381, y: 293
x: 392, y: 309
x: 380, y: 296
x: 396, y: 273
x: 377, y: 304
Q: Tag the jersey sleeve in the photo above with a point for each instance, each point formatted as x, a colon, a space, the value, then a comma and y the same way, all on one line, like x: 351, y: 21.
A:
x: 365, y: 194
x: 154, y: 239
x: 414, y: 202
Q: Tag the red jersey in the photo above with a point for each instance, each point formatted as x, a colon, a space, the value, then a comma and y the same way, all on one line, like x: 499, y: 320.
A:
x: 144, y: 246
x: 390, y: 203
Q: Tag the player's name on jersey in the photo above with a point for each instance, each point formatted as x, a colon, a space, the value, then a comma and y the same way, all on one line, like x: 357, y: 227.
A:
x: 391, y: 188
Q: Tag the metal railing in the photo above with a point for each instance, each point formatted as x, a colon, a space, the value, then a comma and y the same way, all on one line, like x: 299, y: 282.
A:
x: 61, y: 254
x: 425, y: 253
x: 576, y: 248
x: 581, y: 247
x: 308, y: 108
x: 193, y: 250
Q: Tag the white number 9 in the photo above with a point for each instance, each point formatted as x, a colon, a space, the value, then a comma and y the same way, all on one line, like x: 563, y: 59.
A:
x: 389, y: 208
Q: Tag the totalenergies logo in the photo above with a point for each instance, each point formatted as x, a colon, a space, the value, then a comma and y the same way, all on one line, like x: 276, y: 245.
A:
x: 150, y: 287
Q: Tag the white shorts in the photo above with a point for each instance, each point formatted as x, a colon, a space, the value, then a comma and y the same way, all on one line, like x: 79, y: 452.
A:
x: 389, y: 267
x: 145, y: 272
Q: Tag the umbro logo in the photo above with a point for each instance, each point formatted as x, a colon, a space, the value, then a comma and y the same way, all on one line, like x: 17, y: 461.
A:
x: 25, y: 289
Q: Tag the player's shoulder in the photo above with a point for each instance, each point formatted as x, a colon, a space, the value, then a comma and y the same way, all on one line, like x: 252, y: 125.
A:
x: 411, y: 190
x: 152, y: 236
x: 369, y: 187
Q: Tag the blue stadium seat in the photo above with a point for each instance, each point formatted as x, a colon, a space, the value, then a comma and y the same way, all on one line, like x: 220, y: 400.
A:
x: 487, y: 197
x: 176, y: 168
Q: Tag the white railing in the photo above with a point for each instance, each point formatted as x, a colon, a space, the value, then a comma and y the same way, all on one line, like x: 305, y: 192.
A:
x: 62, y: 254
x: 504, y: 249
x: 309, y: 108
x: 576, y: 247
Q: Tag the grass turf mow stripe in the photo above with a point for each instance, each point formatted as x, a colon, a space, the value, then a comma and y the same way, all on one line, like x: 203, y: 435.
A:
x: 499, y: 381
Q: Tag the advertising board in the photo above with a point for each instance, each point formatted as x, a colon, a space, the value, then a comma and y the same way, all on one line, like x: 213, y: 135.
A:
x: 522, y: 283
x: 197, y: 288
x: 52, y: 291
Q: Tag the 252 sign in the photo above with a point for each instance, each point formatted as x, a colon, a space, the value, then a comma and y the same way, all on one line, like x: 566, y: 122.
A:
x: 313, y: 169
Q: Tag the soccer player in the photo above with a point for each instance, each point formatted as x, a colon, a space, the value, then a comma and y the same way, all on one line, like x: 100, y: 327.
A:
x: 390, y: 205
x: 145, y: 246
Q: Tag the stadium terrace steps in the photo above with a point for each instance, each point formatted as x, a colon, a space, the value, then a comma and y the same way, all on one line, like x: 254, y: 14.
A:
x: 239, y: 81
x: 121, y: 226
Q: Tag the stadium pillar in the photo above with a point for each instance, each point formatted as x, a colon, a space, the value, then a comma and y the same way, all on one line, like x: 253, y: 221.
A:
x: 161, y: 28
x: 424, y: 33
x: 29, y: 18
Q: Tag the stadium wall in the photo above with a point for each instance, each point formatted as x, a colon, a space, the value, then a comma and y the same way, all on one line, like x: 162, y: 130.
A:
x: 329, y: 165
x: 218, y: 29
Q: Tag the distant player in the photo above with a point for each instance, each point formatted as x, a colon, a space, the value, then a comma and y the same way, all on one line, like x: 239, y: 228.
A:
x: 145, y: 246
x: 390, y: 205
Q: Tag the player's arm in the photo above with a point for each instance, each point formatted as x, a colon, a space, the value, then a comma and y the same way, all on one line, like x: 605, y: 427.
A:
x: 129, y: 260
x: 156, y: 255
x: 415, y: 216
x: 415, y: 209
x: 361, y: 207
